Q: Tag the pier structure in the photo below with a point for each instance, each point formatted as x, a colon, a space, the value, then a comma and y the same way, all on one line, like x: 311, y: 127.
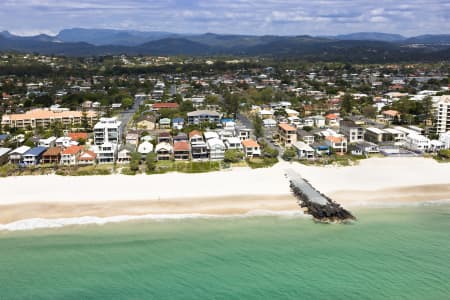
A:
x: 317, y: 204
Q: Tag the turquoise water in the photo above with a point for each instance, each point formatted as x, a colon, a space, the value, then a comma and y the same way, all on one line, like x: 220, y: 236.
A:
x: 388, y: 254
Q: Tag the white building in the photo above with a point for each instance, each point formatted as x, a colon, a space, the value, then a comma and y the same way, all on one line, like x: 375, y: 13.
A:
x: 304, y: 151
x: 443, y: 114
x: 107, y: 130
x: 216, y: 149
x: 417, y: 142
x: 445, y: 139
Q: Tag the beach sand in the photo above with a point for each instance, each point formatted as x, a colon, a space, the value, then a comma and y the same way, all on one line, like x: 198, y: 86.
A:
x: 374, y: 182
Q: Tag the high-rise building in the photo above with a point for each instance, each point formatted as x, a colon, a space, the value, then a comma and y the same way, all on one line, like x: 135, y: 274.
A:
x: 108, y: 130
x: 443, y: 114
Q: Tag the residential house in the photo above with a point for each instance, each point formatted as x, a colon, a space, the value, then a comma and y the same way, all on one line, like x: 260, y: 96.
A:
x: 52, y: 155
x: 48, y: 142
x: 303, y: 150
x: 195, y: 136
x: 360, y: 148
x: 376, y: 135
x: 181, y: 150
x: 16, y: 156
x: 148, y: 122
x: 306, y: 136
x: 233, y: 143
x: 266, y: 114
x: 164, y: 151
x: 251, y: 148
x: 417, y: 142
x: 64, y: 142
x: 390, y: 115
x: 3, y: 139
x: 351, y: 131
x: 70, y: 155
x: 332, y: 120
x: 124, y: 154
x: 199, y: 149
x: 164, y: 123
x: 216, y: 149
x: 445, y: 139
x: 4, y: 155
x: 87, y: 157
x: 210, y: 135
x: 33, y: 156
x: 203, y: 116
x: 337, y: 143
x: 164, y: 137
x: 180, y: 137
x: 163, y: 105
x: 321, y: 148
x: 132, y: 138
x: 269, y: 123
x: 244, y: 134
x: 288, y: 134
x: 80, y: 137
x: 319, y: 121
x: 291, y: 112
x: 145, y: 148
x: 177, y: 123
x: 396, y: 135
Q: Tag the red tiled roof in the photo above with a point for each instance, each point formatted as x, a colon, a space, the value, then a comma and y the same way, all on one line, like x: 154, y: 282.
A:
x: 75, y: 136
x: 91, y: 156
x: 164, y: 105
x: 53, y: 151
x: 391, y: 113
x: 334, y: 139
x: 181, y: 146
x: 331, y: 116
x: 286, y: 127
x: 250, y: 143
x: 72, y: 150
x: 195, y: 132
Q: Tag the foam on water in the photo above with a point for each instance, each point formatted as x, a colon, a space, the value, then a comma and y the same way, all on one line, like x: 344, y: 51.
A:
x: 41, y: 223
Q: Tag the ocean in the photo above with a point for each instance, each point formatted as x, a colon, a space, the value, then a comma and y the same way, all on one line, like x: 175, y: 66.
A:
x: 389, y: 253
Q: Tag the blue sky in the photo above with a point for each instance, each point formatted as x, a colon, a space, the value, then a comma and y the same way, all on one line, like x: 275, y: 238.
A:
x: 281, y: 17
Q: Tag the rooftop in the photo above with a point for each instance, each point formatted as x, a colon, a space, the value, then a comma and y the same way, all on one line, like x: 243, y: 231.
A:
x: 250, y: 143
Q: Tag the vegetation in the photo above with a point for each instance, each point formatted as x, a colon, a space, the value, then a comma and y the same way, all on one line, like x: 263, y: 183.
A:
x: 264, y: 162
x: 233, y: 156
x: 289, y: 154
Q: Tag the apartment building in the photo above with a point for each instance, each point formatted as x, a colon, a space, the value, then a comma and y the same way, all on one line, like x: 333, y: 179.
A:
x: 443, y: 114
x: 108, y: 130
x: 353, y: 132
x: 44, y: 118
x: 288, y: 134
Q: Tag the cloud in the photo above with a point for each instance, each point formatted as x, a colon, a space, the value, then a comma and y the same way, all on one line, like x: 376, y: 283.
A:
x: 283, y: 17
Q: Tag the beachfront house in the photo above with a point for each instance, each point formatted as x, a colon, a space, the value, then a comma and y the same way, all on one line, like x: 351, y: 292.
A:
x: 216, y: 149
x: 164, y: 151
x: 33, y: 156
x: 233, y: 143
x: 145, y: 148
x: 353, y: 132
x: 87, y: 158
x: 16, y: 156
x: 306, y: 136
x: 52, y: 155
x: 4, y: 157
x: 48, y: 142
x: 244, y: 134
x: 181, y: 150
x: 106, y: 153
x: 303, y: 150
x: 70, y: 155
x: 337, y: 143
x: 251, y: 148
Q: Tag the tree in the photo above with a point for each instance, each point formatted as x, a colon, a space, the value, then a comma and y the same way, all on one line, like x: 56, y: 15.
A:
x: 134, y: 161
x: 289, y: 154
x: 150, y: 161
x: 258, y: 126
x: 231, y: 103
x: 127, y: 102
x: 347, y: 104
x: 369, y: 111
x: 270, y: 152
x: 233, y: 156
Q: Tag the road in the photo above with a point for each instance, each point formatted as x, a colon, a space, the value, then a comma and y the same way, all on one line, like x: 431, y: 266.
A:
x: 126, y: 115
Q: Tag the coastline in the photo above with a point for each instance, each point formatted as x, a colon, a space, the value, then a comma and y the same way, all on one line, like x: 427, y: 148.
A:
x: 238, y: 192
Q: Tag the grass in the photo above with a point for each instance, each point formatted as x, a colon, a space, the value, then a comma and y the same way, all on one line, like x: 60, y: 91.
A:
x: 338, y: 160
x: 85, y: 171
x: 256, y: 163
x: 186, y: 167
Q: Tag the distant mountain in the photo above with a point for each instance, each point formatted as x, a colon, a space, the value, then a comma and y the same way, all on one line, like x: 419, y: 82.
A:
x: 430, y: 39
x: 435, y: 48
x: 101, y: 37
x: 371, y: 36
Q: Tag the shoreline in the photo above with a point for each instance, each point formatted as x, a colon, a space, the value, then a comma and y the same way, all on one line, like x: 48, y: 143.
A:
x: 386, y: 182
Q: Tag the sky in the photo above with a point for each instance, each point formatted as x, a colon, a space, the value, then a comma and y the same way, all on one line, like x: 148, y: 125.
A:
x: 260, y: 17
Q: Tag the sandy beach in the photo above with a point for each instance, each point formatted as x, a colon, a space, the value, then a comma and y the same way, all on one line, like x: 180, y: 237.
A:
x: 374, y: 182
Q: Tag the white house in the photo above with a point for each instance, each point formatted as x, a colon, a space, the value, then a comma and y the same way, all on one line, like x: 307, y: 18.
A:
x: 304, y: 151
x: 445, y: 139
x: 417, y: 142
x: 164, y: 151
x: 145, y: 148
x: 48, y: 142
x: 233, y: 143
x: 216, y: 149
